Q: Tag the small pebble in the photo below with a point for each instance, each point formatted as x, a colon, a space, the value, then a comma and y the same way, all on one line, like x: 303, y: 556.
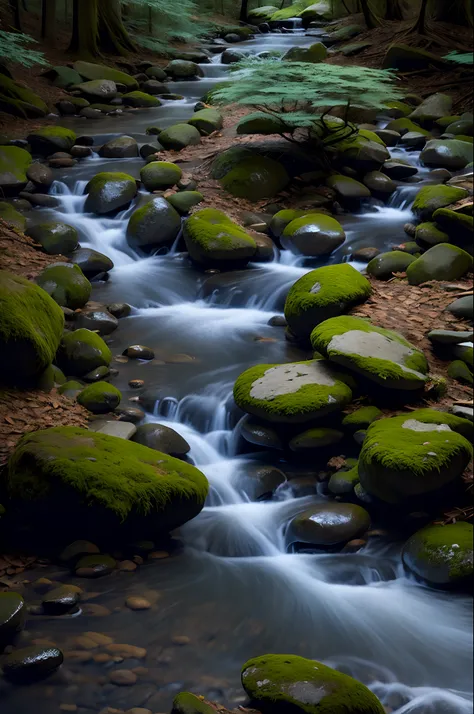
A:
x: 159, y: 555
x: 102, y: 658
x: 123, y: 677
x: 68, y: 707
x: 78, y: 656
x: 101, y: 639
x: 137, y: 603
x: 180, y: 640
x: 127, y: 566
x: 127, y: 651
x: 136, y: 383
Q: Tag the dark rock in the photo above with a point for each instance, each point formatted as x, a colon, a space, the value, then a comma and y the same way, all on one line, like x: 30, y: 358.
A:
x: 260, y: 434
x: 81, y: 152
x: 95, y: 566
x: 40, y: 199
x: 12, y: 617
x: 91, y: 262
x: 40, y: 174
x: 119, y: 309
x: 260, y: 481
x: 462, y: 308
x: 139, y: 352
x: 31, y: 663
x: 60, y: 601
x: 162, y: 438
x: 329, y: 524
x: 99, y: 321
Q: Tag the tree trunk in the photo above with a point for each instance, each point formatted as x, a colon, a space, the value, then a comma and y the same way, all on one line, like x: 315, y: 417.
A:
x: 394, y: 10
x: 113, y: 35
x: 84, y: 28
x: 244, y: 6
x: 48, y: 21
x: 420, y: 25
x: 458, y: 12
x: 369, y: 17
x: 15, y: 9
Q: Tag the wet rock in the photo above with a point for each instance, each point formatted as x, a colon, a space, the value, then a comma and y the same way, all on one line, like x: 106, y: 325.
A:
x: 260, y: 481
x: 40, y: 199
x: 379, y: 183
x: 441, y: 262
x: 109, y: 192
x: 206, y: 121
x: 273, y: 392
x: 66, y: 284
x: 121, y: 147
x: 126, y: 651
x: 123, y: 677
x: 82, y: 351
x: 49, y: 139
x: 449, y: 337
x: 260, y: 434
x: 451, y: 154
x: 382, y: 356
x: 343, y: 481
x: 179, y: 136
x: 12, y: 617
x: 95, y: 566
x: 81, y: 152
x: 62, y: 163
x: 348, y: 188
x: 187, y: 703
x: 313, y: 235
x: 315, y: 438
x: 148, y: 150
x: 80, y: 547
x: 413, y: 140
x: 90, y: 113
x: 120, y: 309
x: 265, y: 248
x: 139, y: 352
x: 159, y: 175
x: 441, y: 555
x: 99, y: 321
x: 156, y: 72
x: 99, y: 398
x: 31, y: 663
x: 321, y: 294
x: 428, y: 234
x: 278, y: 321
x: 399, y: 170
x: 365, y: 255
x: 61, y: 600
x: 183, y: 201
x: 140, y: 99
x: 254, y: 178
x: 137, y: 603
x: 162, y: 438
x: 55, y: 237
x: 462, y: 308
x: 214, y: 240
x: 182, y: 69
x: 304, y: 686
x: 153, y: 87
x: 430, y: 198
x: 463, y: 412
x: 91, y: 262
x: 386, y: 264
x: 231, y: 55
x: 132, y: 414
x: 389, y: 137
x: 413, y: 455
x: 40, y: 174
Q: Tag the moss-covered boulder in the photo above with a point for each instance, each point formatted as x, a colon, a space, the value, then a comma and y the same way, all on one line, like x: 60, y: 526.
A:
x: 10, y: 215
x: 323, y: 293
x: 361, y: 418
x: 406, y: 58
x: 430, y: 198
x: 327, y: 525
x: 183, y: 201
x: 459, y: 371
x: 429, y: 233
x: 255, y: 178
x: 56, y: 238
x: 279, y: 684
x: 63, y: 77
x: 50, y: 139
x: 82, y: 351
x: 343, y: 481
x: 386, y: 264
x: 228, y: 160
x: 405, y: 125
x: 97, y: 90
x: 440, y: 555
x: 140, y: 99
x: 20, y: 101
x: 71, y: 388
x: 154, y: 224
x: 315, y: 53
x: 158, y: 175
x: 214, y: 240
x: 281, y: 219
x: 291, y: 393
x: 363, y: 154
x: 110, y: 485
x: 183, y: 69
x: 432, y: 108
x: 179, y: 136
x: 312, y: 235
x: 120, y: 147
x: 347, y: 187
x: 109, y: 191
x: 14, y: 163
x: 206, y: 121
x: 441, y: 262
x: 89, y: 70
x: 451, y: 154
x: 382, y: 356
x: 66, y: 283
x: 100, y: 397
x: 259, y: 123
x: 187, y: 703
x: 12, y: 617
x: 31, y: 326
x: 412, y: 455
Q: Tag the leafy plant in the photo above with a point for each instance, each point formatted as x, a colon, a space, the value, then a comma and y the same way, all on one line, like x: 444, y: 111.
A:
x: 460, y: 58
x: 12, y: 49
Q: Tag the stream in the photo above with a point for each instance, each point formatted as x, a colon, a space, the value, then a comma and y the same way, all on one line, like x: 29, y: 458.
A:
x: 234, y: 590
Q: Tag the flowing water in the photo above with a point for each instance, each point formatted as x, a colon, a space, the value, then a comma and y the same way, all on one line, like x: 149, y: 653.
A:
x: 234, y: 590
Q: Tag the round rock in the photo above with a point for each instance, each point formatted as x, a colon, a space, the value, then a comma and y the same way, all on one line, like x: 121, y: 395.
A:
x: 328, y: 524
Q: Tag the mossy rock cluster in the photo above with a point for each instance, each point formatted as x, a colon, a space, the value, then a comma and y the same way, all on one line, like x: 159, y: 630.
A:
x: 414, y: 455
x: 91, y: 485
x: 31, y: 326
x: 279, y: 684
x: 66, y: 283
x: 255, y: 177
x: 381, y: 356
x: 20, y: 101
x: 109, y: 191
x: 49, y: 139
x: 321, y: 294
x: 214, y: 240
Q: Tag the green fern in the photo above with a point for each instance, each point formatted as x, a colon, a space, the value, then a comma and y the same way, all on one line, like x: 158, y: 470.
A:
x: 460, y: 57
x: 171, y: 21
x: 12, y: 49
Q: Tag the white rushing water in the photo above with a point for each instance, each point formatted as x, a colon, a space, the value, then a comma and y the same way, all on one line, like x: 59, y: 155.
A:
x: 412, y: 646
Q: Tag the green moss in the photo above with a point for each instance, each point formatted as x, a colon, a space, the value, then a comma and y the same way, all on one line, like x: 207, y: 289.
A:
x: 255, y: 178
x: 14, y: 163
x: 361, y: 418
x: 430, y: 198
x: 228, y: 160
x: 51, y: 377
x: 140, y: 99
x: 327, y: 224
x: 179, y: 136
x: 159, y: 175
x: 457, y: 224
x: 324, y: 293
x: 404, y: 125
x: 100, y: 397
x: 91, y: 71
x: 383, y: 266
x: 187, y: 703
x: 433, y: 416
x: 31, y: 326
x: 459, y: 371
x: 429, y: 233
x: 280, y: 684
x: 82, y: 351
x: 119, y: 475
x: 66, y: 283
x: 382, y: 369
x: 321, y: 391
x: 344, y: 481
x: 262, y: 14
x: 207, y: 121
x: 49, y: 139
x: 402, y: 109
x: 55, y: 237
x: 109, y: 191
x: 20, y: 101
x: 11, y: 216
x: 212, y: 236
x: 260, y: 123
x: 183, y: 201
x: 397, y: 462
x: 315, y: 53
x: 371, y: 136
x: 441, y: 262
x: 446, y: 121
x: 441, y: 554
x: 71, y: 387
x: 281, y: 219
